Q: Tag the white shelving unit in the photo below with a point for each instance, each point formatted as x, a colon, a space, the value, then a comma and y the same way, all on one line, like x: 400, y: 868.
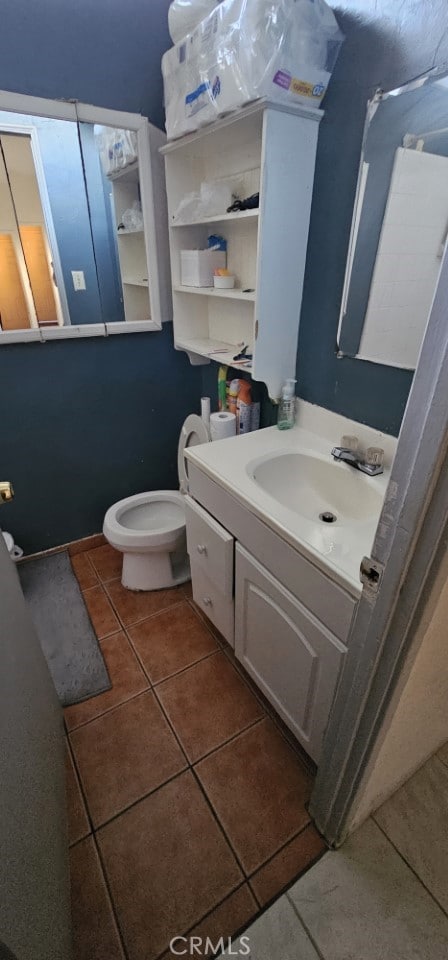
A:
x: 269, y: 148
x: 131, y: 246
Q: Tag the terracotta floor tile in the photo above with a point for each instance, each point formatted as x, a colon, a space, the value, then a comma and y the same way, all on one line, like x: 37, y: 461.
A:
x: 258, y: 789
x: 83, y: 571
x: 127, y: 680
x: 224, y: 921
x: 168, y: 865
x: 87, y: 543
x: 95, y: 935
x: 135, y: 605
x: 286, y: 865
x: 207, y: 704
x: 125, y: 754
x: 106, y: 561
x: 78, y: 823
x: 101, y: 613
x: 171, y: 641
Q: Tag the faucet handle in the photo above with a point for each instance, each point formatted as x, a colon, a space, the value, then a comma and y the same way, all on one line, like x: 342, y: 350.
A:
x: 350, y: 443
x: 375, y: 456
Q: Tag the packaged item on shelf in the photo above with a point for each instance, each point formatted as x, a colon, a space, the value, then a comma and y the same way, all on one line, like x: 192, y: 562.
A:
x: 184, y: 16
x: 213, y: 198
x: 246, y: 49
x: 197, y: 266
x: 117, y: 148
x: 222, y: 388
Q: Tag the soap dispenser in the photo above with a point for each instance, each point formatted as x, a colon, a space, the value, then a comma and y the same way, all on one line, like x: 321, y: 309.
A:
x: 287, y: 406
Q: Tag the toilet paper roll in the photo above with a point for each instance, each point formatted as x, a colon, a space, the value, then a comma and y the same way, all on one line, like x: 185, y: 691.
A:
x: 222, y: 424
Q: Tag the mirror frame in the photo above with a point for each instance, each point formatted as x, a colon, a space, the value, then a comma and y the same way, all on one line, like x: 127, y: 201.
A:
x: 372, y: 106
x: 152, y: 185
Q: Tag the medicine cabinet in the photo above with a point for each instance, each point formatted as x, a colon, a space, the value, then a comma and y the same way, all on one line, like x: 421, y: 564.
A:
x: 269, y: 149
x: 83, y: 221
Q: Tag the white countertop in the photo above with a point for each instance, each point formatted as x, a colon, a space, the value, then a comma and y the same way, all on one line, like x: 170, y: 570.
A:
x: 338, y: 548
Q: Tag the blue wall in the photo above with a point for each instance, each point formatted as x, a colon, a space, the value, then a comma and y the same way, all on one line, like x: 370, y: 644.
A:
x: 93, y: 420
x: 388, y: 42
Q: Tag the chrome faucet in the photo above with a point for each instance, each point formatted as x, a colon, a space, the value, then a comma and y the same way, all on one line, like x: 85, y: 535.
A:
x: 372, y: 465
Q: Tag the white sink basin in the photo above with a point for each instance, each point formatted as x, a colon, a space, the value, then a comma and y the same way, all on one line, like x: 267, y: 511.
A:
x: 312, y: 486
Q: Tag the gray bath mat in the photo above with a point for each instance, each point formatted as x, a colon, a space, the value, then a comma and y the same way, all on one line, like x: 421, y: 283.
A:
x: 63, y: 626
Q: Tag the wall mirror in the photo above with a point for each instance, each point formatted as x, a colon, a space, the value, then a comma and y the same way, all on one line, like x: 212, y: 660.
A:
x: 83, y: 224
x: 400, y: 224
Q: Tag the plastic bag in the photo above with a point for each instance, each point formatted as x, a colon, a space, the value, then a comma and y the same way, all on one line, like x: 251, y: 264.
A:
x: 184, y: 16
x: 117, y: 148
x: 132, y: 218
x: 214, y: 198
x: 246, y: 49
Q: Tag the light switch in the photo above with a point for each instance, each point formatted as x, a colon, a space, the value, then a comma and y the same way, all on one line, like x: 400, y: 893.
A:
x: 79, y: 282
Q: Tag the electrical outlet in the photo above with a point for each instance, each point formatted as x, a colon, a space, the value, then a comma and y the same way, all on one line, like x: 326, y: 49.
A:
x: 79, y: 282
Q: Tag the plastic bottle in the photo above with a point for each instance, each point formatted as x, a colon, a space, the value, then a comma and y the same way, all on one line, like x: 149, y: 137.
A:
x: 243, y: 407
x: 287, y: 406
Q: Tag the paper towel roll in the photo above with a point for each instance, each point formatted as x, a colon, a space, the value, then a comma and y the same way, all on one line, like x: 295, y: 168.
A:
x: 205, y: 411
x: 222, y: 424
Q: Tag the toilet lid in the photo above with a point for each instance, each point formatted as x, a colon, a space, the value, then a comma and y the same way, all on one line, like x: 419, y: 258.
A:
x: 194, y: 431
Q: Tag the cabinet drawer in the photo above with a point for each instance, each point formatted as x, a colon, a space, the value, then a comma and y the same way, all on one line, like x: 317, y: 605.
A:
x: 292, y: 657
x: 218, y: 608
x: 210, y: 547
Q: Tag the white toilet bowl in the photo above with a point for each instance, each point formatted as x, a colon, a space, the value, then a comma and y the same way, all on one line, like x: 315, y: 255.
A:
x: 149, y: 528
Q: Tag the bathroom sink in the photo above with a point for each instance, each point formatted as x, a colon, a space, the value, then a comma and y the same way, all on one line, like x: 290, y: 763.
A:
x: 317, y: 489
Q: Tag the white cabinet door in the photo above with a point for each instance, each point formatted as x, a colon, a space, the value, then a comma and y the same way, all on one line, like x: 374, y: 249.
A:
x: 292, y: 657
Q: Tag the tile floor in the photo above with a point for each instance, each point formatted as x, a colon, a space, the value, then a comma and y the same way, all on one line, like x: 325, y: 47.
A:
x: 384, y: 894
x: 186, y: 800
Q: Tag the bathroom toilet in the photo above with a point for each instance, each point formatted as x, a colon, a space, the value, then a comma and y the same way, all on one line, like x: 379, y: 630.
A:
x: 149, y: 528
x: 15, y: 552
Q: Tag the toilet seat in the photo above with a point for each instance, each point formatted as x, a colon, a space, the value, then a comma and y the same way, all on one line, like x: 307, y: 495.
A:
x: 146, y: 520
x: 194, y: 432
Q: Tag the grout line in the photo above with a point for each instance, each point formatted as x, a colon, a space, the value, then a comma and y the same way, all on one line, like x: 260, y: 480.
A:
x: 284, y: 890
x: 234, y: 736
x: 111, y: 899
x: 81, y: 786
x: 217, y: 820
x: 157, y: 683
x: 409, y: 866
x: 281, y: 849
x: 111, y: 709
x: 307, y: 931
x: 144, y: 796
x: 209, y: 913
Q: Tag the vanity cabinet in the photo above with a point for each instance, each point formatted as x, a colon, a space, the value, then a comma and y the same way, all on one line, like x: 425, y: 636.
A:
x: 287, y: 620
x: 266, y: 148
x: 294, y: 659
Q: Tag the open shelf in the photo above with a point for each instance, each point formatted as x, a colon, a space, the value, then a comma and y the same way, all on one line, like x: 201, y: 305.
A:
x: 128, y: 233
x: 220, y: 218
x: 217, y: 350
x: 128, y: 174
x: 135, y: 282
x: 231, y: 294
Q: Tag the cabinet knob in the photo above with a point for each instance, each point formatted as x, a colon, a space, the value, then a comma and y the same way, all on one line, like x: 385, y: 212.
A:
x: 207, y: 601
x: 202, y: 549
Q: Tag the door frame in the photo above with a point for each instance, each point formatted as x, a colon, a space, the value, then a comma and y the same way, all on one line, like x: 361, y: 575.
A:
x: 412, y: 526
x: 32, y: 132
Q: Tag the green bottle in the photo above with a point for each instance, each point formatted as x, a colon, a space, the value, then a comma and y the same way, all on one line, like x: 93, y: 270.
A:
x: 287, y: 406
